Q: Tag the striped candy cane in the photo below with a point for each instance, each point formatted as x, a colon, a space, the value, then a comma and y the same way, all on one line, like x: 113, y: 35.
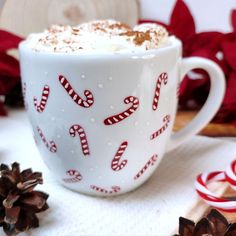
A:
x: 86, y: 103
x: 224, y: 204
x: 166, y: 121
x: 163, y: 78
x: 121, y: 116
x: 150, y: 162
x: 178, y: 90
x: 77, y: 129
x: 51, y: 146
x: 76, y: 176
x: 230, y: 174
x: 114, y: 189
x: 44, y: 98
x: 115, y: 165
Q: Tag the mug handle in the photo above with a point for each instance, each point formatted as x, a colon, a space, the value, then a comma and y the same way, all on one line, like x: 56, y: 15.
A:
x: 212, y: 104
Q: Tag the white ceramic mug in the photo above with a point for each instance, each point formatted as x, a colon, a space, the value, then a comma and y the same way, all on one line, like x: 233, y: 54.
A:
x: 102, y: 123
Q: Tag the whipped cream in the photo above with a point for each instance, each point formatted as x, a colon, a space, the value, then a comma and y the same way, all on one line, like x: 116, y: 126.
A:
x: 99, y: 36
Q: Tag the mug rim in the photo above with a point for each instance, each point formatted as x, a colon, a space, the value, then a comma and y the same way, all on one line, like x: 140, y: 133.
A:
x: 175, y: 43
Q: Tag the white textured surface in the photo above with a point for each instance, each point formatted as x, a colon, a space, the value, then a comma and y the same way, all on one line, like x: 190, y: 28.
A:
x: 153, y: 209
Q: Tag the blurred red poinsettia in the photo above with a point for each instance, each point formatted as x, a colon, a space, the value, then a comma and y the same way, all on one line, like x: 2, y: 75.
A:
x: 9, y: 71
x: 217, y: 46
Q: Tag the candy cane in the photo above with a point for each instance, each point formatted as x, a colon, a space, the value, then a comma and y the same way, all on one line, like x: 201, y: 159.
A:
x: 178, y: 91
x: 114, y: 189
x: 88, y: 102
x: 24, y: 95
x: 76, y: 176
x: 77, y: 129
x: 115, y: 165
x: 150, y: 162
x: 230, y: 174
x: 166, y: 121
x: 163, y: 77
x: 224, y: 204
x: 44, y: 98
x: 51, y: 146
x: 121, y: 116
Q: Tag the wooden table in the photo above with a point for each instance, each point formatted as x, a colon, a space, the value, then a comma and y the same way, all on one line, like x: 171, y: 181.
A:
x: 211, y: 130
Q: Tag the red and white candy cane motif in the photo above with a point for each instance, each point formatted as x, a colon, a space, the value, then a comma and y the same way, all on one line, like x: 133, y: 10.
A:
x: 114, y: 189
x: 44, y: 98
x: 86, y: 103
x: 178, y: 90
x: 230, y: 174
x: 121, y: 116
x: 166, y: 121
x: 77, y: 129
x: 163, y: 78
x: 115, y: 165
x: 76, y: 176
x: 150, y: 162
x: 224, y: 204
x: 51, y: 146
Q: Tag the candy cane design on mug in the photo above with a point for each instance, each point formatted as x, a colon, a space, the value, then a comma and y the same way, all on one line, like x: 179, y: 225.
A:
x: 150, y: 162
x: 114, y: 189
x: 51, y: 146
x: 178, y: 90
x: 162, y: 79
x: 115, y: 165
x: 86, y: 103
x: 44, y: 98
x: 75, y: 176
x: 166, y: 121
x: 77, y: 129
x: 123, y: 115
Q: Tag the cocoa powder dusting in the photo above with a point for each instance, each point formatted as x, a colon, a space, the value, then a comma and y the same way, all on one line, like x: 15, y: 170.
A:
x: 139, y: 37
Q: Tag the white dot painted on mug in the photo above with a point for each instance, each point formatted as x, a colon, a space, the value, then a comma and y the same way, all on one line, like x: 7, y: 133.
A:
x: 109, y: 143
x: 136, y: 123
x: 46, y: 73
x: 147, y: 123
x: 100, y: 86
x: 110, y: 78
x: 63, y: 110
x: 99, y: 177
x: 92, y: 120
x: 83, y: 76
x: 31, y: 83
x: 138, y: 85
x: 58, y: 136
x: 111, y: 107
x: 134, y: 57
x: 91, y: 169
x: 53, y: 118
x: 141, y: 132
x: 72, y: 151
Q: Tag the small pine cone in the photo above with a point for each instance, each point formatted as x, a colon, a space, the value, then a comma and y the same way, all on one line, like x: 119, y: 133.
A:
x: 19, y: 203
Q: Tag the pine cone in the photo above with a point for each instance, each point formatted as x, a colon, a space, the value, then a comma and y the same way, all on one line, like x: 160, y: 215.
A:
x: 215, y: 224
x: 19, y: 203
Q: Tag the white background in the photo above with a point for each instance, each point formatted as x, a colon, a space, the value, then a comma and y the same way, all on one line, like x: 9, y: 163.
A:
x: 209, y: 14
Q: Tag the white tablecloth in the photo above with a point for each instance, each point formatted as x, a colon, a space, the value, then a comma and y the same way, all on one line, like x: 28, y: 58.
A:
x: 153, y: 209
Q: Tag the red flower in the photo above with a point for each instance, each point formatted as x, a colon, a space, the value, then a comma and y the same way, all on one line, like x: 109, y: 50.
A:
x: 217, y: 46
x: 9, y: 67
